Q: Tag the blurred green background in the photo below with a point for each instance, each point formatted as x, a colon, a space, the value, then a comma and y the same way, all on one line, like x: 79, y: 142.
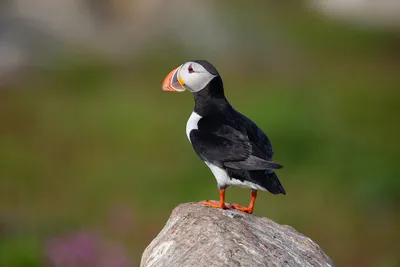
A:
x: 94, y: 156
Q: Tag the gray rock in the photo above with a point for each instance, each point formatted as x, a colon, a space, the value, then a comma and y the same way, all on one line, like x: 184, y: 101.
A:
x: 197, y: 235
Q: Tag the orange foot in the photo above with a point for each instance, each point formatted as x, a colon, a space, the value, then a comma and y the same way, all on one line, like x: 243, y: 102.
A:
x: 220, y: 205
x: 248, y: 209
x: 241, y: 208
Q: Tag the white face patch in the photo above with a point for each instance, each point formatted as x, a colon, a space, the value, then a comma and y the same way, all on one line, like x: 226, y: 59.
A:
x: 192, y: 123
x: 195, y: 76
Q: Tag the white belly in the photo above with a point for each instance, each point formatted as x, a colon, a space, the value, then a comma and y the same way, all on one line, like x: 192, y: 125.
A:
x: 192, y: 123
x: 223, y: 180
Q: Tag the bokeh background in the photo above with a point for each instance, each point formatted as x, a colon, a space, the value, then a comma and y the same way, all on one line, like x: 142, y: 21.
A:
x: 94, y: 156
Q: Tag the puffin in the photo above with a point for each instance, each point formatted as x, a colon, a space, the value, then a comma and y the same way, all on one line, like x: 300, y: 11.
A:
x: 235, y: 149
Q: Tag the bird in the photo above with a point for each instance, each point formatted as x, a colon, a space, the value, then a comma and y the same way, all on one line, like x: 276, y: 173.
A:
x: 235, y: 149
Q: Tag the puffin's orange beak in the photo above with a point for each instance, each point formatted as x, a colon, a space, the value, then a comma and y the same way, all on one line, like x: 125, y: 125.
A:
x: 173, y: 82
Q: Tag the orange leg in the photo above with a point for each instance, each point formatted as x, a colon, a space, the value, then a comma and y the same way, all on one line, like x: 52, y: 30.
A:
x: 248, y: 209
x: 221, y: 203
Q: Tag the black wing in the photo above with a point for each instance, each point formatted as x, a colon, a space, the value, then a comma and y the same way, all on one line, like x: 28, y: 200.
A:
x: 229, y: 147
x: 257, y: 137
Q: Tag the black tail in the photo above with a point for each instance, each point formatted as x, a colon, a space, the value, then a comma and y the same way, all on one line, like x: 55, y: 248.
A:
x: 272, y: 184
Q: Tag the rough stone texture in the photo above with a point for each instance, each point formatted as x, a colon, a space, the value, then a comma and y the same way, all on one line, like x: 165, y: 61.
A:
x: 197, y: 235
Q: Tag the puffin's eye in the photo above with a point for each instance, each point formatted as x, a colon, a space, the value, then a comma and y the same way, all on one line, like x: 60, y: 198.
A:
x: 190, y: 69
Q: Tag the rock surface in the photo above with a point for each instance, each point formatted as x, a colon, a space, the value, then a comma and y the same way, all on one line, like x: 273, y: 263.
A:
x: 197, y: 235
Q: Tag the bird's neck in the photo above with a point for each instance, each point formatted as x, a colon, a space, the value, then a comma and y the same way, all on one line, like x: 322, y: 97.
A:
x: 211, y: 99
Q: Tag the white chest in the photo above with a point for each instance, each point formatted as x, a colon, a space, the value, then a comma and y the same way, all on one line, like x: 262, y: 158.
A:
x: 192, y: 123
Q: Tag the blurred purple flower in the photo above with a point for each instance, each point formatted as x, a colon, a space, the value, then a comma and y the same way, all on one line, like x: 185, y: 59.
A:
x: 84, y: 250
